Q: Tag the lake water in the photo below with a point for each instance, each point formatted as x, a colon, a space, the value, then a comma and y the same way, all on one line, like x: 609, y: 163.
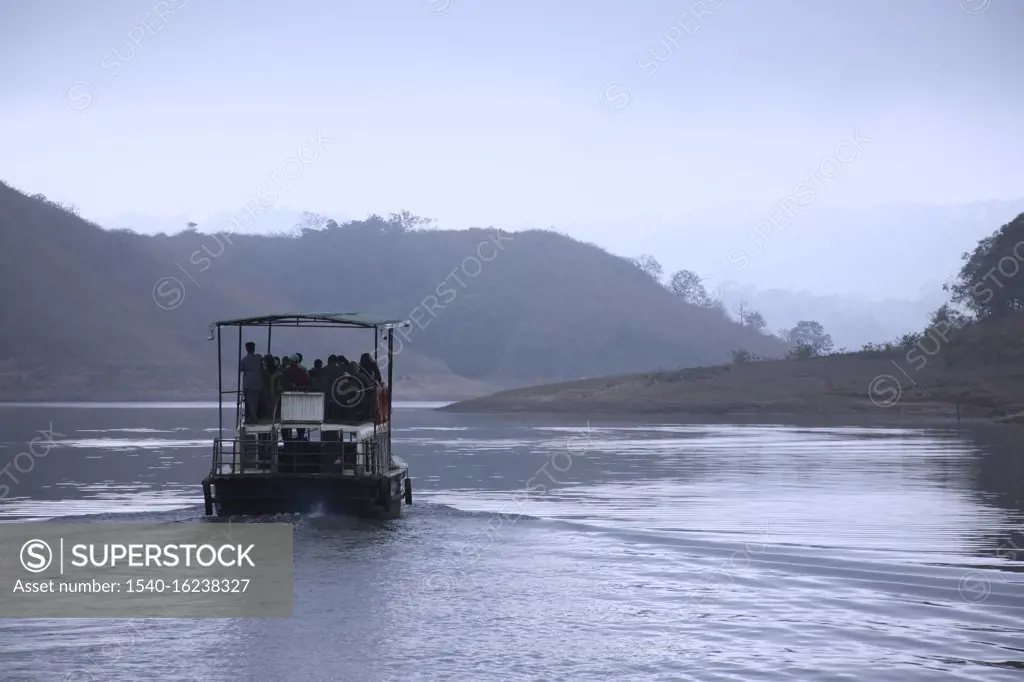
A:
x: 643, y: 552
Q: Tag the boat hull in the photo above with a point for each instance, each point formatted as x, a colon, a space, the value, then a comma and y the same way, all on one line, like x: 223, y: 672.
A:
x: 264, y: 493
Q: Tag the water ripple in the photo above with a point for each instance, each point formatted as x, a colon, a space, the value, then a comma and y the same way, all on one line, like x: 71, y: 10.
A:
x: 639, y: 552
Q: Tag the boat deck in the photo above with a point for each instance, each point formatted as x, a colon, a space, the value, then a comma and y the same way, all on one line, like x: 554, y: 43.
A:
x: 340, y: 473
x: 354, y: 431
x: 340, y: 450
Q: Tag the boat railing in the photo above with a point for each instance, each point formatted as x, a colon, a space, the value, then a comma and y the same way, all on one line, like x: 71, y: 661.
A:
x: 340, y: 452
x: 382, y: 454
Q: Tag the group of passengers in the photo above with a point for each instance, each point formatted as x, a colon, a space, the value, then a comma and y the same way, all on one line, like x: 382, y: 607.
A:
x: 266, y: 377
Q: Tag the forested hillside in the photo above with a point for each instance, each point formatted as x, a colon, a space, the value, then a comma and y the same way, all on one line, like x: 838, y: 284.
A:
x: 88, y: 312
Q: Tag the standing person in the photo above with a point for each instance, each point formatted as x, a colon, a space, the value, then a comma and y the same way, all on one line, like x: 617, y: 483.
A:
x: 275, y: 387
x: 367, y: 364
x: 267, y: 388
x: 284, y: 381
x: 328, y: 376
x: 298, y: 380
x: 378, y: 398
x: 316, y: 375
x: 297, y: 376
x: 251, y: 368
x: 342, y: 364
x: 359, y: 403
x: 282, y: 384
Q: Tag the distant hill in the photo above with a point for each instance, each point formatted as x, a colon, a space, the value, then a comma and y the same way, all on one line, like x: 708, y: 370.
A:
x: 850, y: 321
x: 271, y: 221
x: 975, y: 373
x: 967, y: 361
x: 97, y: 314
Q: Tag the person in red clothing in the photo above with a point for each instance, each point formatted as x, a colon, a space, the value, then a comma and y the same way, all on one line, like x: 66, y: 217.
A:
x: 297, y: 376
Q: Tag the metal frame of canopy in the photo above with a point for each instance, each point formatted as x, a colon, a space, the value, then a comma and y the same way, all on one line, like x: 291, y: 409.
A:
x: 304, y: 320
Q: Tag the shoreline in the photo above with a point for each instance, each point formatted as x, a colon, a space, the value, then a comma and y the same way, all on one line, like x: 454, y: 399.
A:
x: 164, y: 400
x: 42, y: 383
x: 853, y: 389
x: 585, y: 417
x: 183, y: 396
x: 840, y: 419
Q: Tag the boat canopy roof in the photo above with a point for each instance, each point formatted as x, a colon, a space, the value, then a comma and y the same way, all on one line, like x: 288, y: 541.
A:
x: 315, y: 320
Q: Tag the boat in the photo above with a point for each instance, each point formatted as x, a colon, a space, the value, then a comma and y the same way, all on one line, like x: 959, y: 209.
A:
x: 326, y: 451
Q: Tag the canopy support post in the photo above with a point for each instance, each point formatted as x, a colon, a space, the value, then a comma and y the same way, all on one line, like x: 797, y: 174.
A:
x: 220, y: 388
x: 238, y: 382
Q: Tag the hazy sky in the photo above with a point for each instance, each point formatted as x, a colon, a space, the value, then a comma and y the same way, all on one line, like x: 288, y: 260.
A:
x: 524, y: 113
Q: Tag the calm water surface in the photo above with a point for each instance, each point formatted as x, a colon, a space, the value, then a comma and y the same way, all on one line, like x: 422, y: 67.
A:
x: 654, y: 552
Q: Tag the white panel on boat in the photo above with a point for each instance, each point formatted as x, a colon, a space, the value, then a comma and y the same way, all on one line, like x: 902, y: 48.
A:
x: 302, y: 407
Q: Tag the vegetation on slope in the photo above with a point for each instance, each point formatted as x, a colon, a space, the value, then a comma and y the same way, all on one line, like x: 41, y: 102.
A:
x: 98, y: 313
x: 970, y: 360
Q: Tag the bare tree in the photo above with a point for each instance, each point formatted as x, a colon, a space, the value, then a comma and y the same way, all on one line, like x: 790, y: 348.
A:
x: 649, y: 265
x: 310, y: 222
x: 405, y: 221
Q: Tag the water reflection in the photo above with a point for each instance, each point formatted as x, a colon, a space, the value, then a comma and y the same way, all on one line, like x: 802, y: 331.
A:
x: 899, y: 491
x: 759, y: 552
x: 996, y: 477
x: 944, y: 491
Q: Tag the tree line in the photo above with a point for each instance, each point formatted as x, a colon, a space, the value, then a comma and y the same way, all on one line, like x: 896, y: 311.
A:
x: 988, y: 287
x: 807, y: 338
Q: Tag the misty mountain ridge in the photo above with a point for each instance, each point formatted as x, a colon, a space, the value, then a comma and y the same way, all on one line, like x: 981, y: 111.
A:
x: 852, y: 318
x: 825, y: 249
x: 271, y: 220
x: 130, y: 313
x: 851, y: 321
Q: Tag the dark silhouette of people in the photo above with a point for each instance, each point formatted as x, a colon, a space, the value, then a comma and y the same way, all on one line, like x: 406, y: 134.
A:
x: 370, y: 367
x: 315, y: 378
x: 328, y: 376
x: 265, y: 378
x: 295, y: 375
x: 363, y: 384
x: 375, y: 393
x: 296, y: 379
x: 251, y: 369
x: 284, y: 382
x: 267, y: 398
